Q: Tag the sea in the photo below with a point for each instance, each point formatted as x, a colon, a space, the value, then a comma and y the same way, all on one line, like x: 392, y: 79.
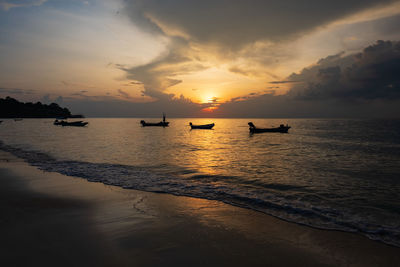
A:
x: 339, y: 174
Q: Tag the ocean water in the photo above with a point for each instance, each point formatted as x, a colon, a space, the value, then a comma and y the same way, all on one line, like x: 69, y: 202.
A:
x: 326, y: 173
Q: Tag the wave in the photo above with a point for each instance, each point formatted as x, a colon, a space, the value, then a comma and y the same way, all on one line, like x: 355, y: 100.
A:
x: 291, y: 203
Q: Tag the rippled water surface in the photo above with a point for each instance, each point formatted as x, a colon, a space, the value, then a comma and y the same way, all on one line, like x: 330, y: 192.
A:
x: 326, y: 173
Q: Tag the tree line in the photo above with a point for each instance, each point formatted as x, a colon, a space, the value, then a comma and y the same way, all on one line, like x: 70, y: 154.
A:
x: 12, y: 108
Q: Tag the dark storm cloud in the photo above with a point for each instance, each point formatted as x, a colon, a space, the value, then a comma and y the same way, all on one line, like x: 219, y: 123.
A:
x: 365, y: 84
x: 374, y: 73
x: 236, y: 23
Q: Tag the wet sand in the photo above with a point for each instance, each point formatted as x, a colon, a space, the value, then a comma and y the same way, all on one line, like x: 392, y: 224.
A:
x: 48, y: 219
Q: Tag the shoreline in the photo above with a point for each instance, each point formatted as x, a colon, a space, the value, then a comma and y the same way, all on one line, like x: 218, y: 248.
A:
x: 68, y: 221
x: 37, y: 158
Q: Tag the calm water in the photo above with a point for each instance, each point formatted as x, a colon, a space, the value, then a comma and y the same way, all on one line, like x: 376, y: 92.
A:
x: 331, y: 174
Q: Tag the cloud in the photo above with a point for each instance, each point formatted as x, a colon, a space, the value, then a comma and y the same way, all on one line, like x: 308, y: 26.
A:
x: 250, y: 96
x: 365, y: 84
x: 8, y: 4
x: 282, y: 106
x: 59, y: 100
x: 114, y: 107
x: 370, y: 74
x: 214, y: 100
x: 135, y: 83
x: 251, y: 71
x: 264, y: 105
x: 16, y: 91
x: 79, y: 94
x: 282, y: 82
x: 124, y: 94
x: 46, y: 99
x: 160, y: 74
x: 250, y: 38
x: 66, y: 83
x: 234, y: 24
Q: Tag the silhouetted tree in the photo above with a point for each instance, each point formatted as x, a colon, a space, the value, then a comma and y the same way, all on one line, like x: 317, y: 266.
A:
x: 12, y: 108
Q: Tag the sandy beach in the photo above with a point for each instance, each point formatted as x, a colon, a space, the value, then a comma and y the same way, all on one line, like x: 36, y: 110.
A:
x: 48, y: 219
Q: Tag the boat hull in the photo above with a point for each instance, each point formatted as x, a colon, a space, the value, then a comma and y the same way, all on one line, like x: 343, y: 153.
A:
x: 159, y: 124
x: 74, y: 123
x: 205, y: 126
x: 281, y: 129
x: 270, y: 130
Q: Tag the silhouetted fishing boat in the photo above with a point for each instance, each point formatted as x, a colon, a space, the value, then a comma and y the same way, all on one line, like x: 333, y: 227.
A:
x: 204, y: 126
x: 281, y: 129
x: 72, y: 123
x: 162, y: 123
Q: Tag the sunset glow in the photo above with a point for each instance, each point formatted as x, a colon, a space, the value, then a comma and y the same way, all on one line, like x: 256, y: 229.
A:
x: 81, y: 53
x: 209, y: 109
x: 200, y: 132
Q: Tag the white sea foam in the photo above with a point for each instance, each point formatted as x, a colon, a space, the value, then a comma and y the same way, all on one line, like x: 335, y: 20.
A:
x: 259, y: 198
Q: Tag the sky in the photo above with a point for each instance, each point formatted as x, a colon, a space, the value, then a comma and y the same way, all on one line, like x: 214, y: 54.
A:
x: 209, y: 58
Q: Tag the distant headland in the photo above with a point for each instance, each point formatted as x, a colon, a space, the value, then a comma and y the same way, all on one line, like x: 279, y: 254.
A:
x: 12, y: 108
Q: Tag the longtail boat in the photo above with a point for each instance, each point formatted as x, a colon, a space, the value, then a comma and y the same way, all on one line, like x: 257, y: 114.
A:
x: 204, y: 126
x: 281, y: 129
x: 162, y: 123
x: 72, y: 123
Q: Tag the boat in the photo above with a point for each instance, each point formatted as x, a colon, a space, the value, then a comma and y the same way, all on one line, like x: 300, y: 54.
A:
x: 17, y: 119
x: 162, y: 123
x: 281, y: 129
x: 204, y: 126
x: 72, y: 123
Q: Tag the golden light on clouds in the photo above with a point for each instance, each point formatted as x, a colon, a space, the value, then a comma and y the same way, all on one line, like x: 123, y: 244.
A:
x: 197, y: 55
x: 218, y: 82
x: 209, y: 109
x: 208, y: 97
